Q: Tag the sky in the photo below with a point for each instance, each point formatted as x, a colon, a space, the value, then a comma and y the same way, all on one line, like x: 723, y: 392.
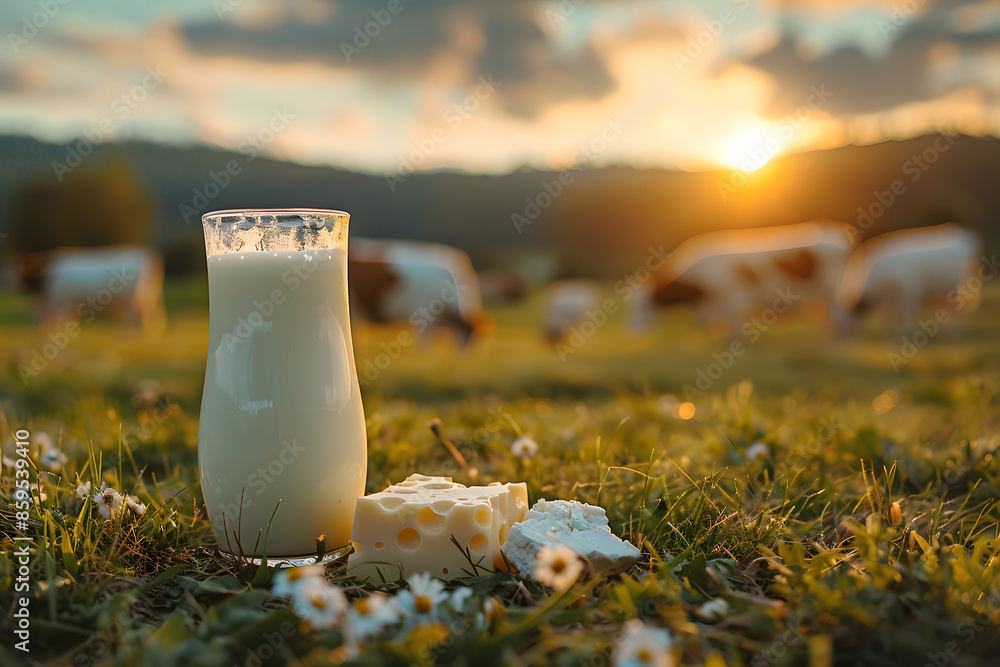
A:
x: 490, y: 86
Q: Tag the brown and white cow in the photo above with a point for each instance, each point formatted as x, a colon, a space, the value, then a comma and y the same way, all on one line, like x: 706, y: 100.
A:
x: 730, y: 276
x: 898, y: 272
x: 428, y: 285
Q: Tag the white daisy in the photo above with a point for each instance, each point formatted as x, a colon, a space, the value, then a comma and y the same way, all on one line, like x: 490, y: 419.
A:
x: 321, y: 604
x: 83, y: 491
x: 713, y: 610
x: 137, y: 508
x: 421, y: 602
x: 288, y: 580
x: 641, y: 645
x: 108, y: 501
x: 373, y: 614
x: 524, y: 447
x: 757, y: 450
x: 50, y: 457
x: 557, y: 568
x: 458, y: 598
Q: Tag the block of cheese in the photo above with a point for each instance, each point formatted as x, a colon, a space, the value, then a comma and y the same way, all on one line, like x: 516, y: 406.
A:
x: 412, y: 523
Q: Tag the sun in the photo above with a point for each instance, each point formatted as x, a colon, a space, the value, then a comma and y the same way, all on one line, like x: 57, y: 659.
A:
x: 751, y: 148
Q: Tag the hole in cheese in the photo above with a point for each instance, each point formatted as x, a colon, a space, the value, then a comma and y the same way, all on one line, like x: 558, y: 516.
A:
x: 378, y: 545
x: 479, y: 543
x: 442, y: 506
x: 444, y: 570
x: 436, y: 486
x: 484, y: 517
x: 408, y: 539
x: 430, y: 520
x: 391, y: 503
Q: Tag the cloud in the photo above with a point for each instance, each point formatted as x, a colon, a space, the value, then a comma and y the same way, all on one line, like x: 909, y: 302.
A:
x: 478, y: 38
x: 905, y: 74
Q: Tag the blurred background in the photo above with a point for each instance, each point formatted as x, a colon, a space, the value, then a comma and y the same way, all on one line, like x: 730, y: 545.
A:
x: 547, y: 140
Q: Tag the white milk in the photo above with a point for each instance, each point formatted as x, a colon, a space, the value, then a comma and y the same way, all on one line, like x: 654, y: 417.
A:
x: 281, y: 416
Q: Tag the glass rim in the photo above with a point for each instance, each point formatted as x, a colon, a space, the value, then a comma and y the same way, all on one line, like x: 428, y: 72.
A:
x: 221, y: 215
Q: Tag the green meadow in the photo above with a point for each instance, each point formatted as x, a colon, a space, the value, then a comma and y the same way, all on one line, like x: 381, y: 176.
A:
x: 865, y: 532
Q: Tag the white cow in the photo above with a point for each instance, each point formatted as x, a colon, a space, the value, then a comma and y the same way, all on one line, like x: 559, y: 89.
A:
x: 429, y: 285
x: 566, y: 305
x: 126, y: 281
x: 731, y: 277
x: 898, y: 272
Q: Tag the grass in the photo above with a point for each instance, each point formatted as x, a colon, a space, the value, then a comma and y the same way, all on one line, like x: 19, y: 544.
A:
x: 802, y: 544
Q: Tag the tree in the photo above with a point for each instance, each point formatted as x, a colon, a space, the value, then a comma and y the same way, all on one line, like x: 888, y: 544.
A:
x: 92, y: 206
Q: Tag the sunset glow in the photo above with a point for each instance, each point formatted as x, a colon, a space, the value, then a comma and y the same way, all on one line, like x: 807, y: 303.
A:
x: 410, y: 94
x: 751, y: 148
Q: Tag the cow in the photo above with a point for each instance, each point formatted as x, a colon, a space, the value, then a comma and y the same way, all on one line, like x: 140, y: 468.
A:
x: 126, y: 281
x: 566, y: 305
x: 428, y: 285
x: 898, y: 272
x: 728, y: 276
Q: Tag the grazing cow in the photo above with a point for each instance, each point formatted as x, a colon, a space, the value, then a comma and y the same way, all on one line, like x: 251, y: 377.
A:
x: 126, y: 281
x: 898, y: 272
x: 429, y: 285
x: 566, y: 305
x: 728, y: 275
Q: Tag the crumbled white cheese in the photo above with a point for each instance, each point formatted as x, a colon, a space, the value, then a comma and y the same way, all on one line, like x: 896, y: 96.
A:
x: 567, y: 523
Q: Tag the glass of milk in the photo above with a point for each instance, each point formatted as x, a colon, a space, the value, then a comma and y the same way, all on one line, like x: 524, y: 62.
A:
x: 282, y: 448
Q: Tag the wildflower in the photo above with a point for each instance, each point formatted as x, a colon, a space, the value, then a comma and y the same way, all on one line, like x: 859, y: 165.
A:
x: 524, y: 447
x: 643, y: 646
x: 319, y: 603
x: 40, y: 492
x: 373, y: 614
x: 494, y: 611
x: 713, y: 610
x: 557, y: 568
x: 108, y: 501
x: 422, y: 600
x: 289, y: 580
x: 458, y: 598
x: 137, y: 508
x: 757, y: 450
x: 6, y: 462
x: 897, y: 513
x: 149, y: 392
x: 83, y: 491
x: 51, y: 458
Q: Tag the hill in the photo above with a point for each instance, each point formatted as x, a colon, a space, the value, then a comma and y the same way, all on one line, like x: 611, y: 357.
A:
x: 596, y: 220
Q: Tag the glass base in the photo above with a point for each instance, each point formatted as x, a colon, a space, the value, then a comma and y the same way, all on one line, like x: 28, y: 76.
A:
x: 289, y: 561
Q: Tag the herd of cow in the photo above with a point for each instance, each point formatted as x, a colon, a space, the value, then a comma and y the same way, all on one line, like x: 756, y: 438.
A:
x: 726, y: 276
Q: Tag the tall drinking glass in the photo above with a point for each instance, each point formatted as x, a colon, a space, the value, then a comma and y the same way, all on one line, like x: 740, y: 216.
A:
x: 281, y: 442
